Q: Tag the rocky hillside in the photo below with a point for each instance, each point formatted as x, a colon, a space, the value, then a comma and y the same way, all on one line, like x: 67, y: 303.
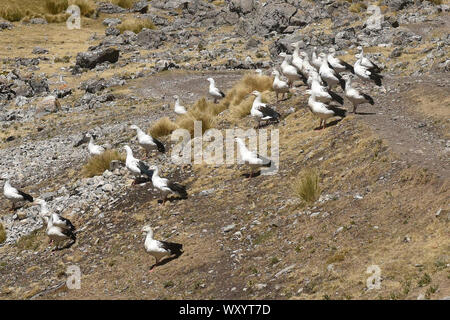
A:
x: 383, y: 175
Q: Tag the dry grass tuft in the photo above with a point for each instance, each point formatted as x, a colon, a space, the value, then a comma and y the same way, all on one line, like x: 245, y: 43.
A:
x: 135, y: 25
x: 306, y: 186
x: 12, y: 13
x: 30, y: 241
x: 2, y: 233
x: 99, y: 164
x: 163, y: 127
x: 202, y: 111
x: 87, y: 7
x: 56, y: 6
x: 126, y: 4
x: 238, y: 99
x: 56, y: 18
x: 357, y: 7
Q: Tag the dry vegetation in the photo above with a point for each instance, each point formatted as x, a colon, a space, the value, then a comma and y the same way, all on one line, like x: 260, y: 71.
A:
x: 135, y: 25
x: 2, y: 233
x: 96, y: 165
x: 306, y: 186
x: 162, y: 127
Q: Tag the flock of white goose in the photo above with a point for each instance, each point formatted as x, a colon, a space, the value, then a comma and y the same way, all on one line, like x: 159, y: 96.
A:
x: 321, y: 74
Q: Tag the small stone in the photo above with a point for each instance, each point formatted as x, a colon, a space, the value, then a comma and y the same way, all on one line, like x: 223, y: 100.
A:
x: 228, y: 228
x: 260, y: 286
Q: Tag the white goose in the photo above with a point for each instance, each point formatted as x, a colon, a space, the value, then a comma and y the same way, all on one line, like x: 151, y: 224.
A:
x: 59, y: 228
x: 331, y: 77
x: 297, y: 60
x: 15, y: 195
x: 166, y: 186
x: 288, y: 70
x: 366, y: 63
x: 363, y: 72
x: 316, y: 61
x: 322, y: 110
x: 94, y: 150
x: 136, y: 166
x: 179, y: 109
x: 279, y: 86
x: 337, y: 64
x: 251, y: 158
x: 355, y: 97
x: 261, y: 111
x: 148, y: 142
x: 159, y: 249
x: 322, y: 93
x: 214, y: 91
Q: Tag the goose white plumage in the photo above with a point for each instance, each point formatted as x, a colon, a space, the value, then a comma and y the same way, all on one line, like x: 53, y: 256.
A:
x: 178, y: 108
x: 94, y: 149
x: 59, y: 228
x: 15, y: 195
x: 366, y: 63
x: 328, y: 74
x: 261, y: 111
x: 251, y: 158
x: 136, y: 166
x: 214, y: 91
x: 166, y: 186
x: 288, y: 70
x: 297, y: 60
x: 355, y: 97
x: 322, y: 93
x: 363, y: 72
x: 148, y: 142
x: 278, y: 85
x: 159, y: 249
x: 316, y: 61
x: 337, y: 64
x: 322, y: 110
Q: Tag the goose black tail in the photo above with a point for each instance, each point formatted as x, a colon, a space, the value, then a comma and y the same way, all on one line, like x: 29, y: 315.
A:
x: 159, y: 145
x: 175, y: 248
x: 26, y: 196
x: 336, y: 97
x: 145, y: 169
x: 338, y: 111
x: 178, y: 188
x: 376, y: 78
x: 368, y: 98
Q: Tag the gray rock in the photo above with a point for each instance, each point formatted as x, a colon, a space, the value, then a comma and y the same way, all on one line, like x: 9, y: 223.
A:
x: 228, y: 228
x: 285, y: 270
x: 39, y: 50
x: 6, y: 25
x: 91, y: 59
x: 111, y: 22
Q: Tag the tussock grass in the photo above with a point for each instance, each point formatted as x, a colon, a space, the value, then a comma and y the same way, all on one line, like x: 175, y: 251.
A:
x: 2, y: 233
x: 87, y: 7
x: 12, y: 13
x: 163, y: 127
x: 357, y: 7
x: 306, y: 186
x: 99, y: 164
x: 56, y: 18
x: 135, y: 25
x: 238, y: 99
x: 30, y: 241
x: 203, y: 111
x: 56, y: 6
x: 126, y: 4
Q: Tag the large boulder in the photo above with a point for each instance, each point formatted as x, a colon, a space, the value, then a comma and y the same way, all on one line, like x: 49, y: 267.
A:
x: 92, y: 58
